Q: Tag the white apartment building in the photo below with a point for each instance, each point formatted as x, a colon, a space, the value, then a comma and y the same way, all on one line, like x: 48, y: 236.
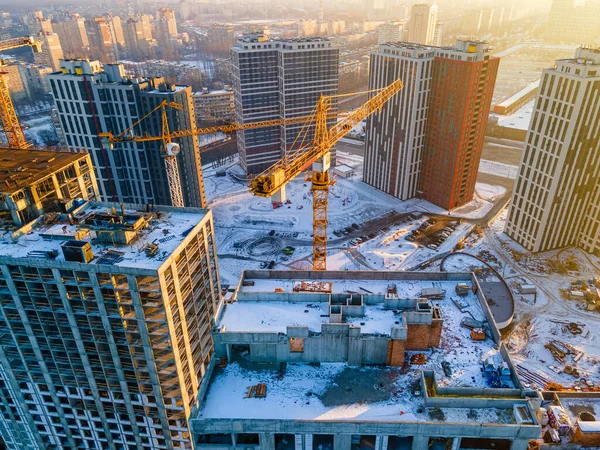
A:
x: 423, y: 18
x: 556, y: 200
x: 396, y: 134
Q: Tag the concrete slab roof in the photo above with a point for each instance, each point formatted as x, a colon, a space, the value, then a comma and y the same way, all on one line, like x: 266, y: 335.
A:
x: 21, y: 168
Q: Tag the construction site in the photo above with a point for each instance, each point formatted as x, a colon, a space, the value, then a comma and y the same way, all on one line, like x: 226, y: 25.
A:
x: 407, y: 360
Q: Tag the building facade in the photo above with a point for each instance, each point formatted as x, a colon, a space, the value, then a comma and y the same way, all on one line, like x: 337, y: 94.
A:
x: 92, y: 98
x: 139, y: 43
x: 100, y: 40
x: 102, y: 350
x: 217, y: 105
x: 462, y: 86
x: 389, y: 32
x: 51, y: 52
x: 556, y: 199
x: 166, y: 33
x: 396, y: 134
x: 73, y: 37
x: 276, y: 79
x: 427, y: 140
x: 421, y: 28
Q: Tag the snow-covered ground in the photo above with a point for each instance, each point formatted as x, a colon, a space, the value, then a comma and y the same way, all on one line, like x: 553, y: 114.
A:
x: 241, y: 220
x: 247, y: 221
x: 545, y: 316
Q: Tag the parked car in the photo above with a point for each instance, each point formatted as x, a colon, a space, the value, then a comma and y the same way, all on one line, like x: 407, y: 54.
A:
x: 271, y: 265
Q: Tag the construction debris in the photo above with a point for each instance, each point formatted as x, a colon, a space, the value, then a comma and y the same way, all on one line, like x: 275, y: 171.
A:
x: 418, y: 359
x: 258, y: 391
x: 478, y: 334
x: 313, y: 286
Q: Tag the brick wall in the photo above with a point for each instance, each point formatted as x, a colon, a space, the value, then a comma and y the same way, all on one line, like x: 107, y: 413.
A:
x: 422, y: 337
x: 395, y: 356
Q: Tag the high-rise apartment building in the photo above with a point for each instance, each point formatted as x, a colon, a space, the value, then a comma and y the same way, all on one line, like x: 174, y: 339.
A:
x: 92, y: 98
x: 276, y: 79
x: 389, y: 32
x: 106, y: 317
x: 462, y: 85
x: 421, y: 28
x: 116, y: 35
x: 51, y: 52
x: 556, y: 200
x: 73, y: 37
x: 100, y: 40
x: 396, y: 134
x: 39, y: 25
x: 166, y: 32
x: 13, y: 80
x: 35, y: 79
x: 139, y: 43
x: 427, y: 140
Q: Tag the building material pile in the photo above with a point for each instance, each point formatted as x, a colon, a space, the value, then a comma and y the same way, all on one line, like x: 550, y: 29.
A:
x: 313, y: 286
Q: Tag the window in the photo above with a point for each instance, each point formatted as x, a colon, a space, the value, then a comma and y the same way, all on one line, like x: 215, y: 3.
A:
x: 209, y: 439
x: 247, y: 439
x: 297, y: 345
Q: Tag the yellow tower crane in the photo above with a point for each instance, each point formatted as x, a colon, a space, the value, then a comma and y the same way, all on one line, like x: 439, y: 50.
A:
x: 274, y: 179
x: 10, y: 122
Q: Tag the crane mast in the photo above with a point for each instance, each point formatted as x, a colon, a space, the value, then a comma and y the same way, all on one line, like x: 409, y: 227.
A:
x: 274, y: 179
x: 8, y: 116
x: 279, y: 174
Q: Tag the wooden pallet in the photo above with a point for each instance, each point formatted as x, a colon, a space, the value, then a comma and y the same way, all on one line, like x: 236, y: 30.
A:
x: 258, y: 391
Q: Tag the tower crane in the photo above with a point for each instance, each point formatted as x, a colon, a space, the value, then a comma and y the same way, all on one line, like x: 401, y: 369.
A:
x: 275, y: 178
x: 10, y: 122
x: 170, y: 149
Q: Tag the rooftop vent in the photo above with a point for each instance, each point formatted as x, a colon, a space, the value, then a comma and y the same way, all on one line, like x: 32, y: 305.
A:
x: 78, y: 251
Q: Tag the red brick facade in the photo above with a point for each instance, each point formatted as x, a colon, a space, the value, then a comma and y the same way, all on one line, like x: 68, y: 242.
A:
x: 422, y: 337
x: 460, y: 100
x: 419, y: 337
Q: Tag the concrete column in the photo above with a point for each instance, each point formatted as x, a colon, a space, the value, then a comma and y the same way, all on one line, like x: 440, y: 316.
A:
x: 355, y: 348
x: 341, y: 442
x: 420, y: 443
x: 520, y: 444
x: 267, y: 441
x: 280, y: 195
x: 456, y: 443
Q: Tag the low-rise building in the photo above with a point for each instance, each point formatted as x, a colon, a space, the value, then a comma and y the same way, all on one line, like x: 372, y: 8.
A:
x: 349, y: 360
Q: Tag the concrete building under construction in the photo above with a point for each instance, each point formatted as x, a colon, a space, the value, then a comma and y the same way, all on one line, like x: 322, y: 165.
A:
x: 340, y: 360
x: 105, y: 315
x: 35, y: 182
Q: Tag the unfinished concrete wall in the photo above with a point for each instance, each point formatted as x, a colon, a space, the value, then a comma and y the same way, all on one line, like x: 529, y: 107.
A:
x: 335, y: 343
x: 354, y: 275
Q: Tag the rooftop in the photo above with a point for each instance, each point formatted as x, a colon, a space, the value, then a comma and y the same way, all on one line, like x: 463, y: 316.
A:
x: 135, y: 239
x: 329, y: 392
x: 269, y: 315
x: 20, y: 168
